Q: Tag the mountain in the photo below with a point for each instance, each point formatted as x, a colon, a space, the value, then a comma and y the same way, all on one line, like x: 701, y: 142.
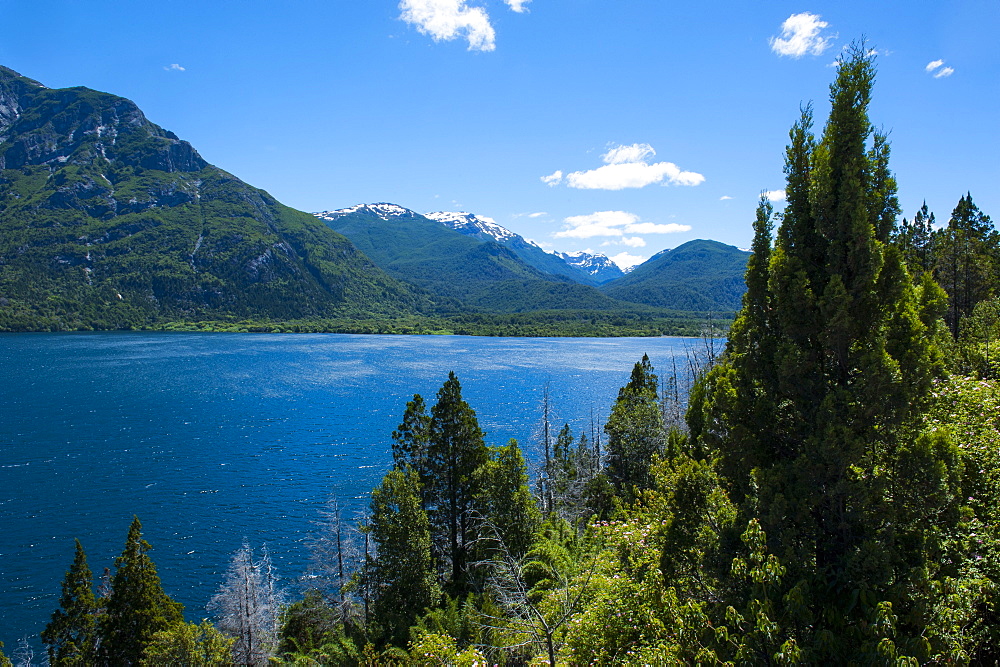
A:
x: 458, y: 270
x: 109, y: 221
x: 598, y: 266
x: 697, y: 275
x: 486, y: 229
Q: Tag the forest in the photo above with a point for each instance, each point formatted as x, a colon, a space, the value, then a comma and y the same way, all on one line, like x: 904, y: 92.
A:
x: 824, y: 490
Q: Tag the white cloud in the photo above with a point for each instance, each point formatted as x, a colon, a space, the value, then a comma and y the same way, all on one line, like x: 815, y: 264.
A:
x: 653, y: 228
x: 174, y: 68
x: 725, y: 198
x: 624, y: 154
x: 517, y: 5
x: 445, y: 20
x: 601, y: 223
x: 617, y: 224
x: 555, y: 178
x: 775, y: 195
x: 625, y: 260
x: 537, y: 215
x: 627, y: 167
x: 940, y: 73
x: 800, y: 34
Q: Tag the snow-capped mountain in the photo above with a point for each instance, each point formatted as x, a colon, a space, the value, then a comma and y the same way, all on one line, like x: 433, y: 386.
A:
x: 598, y: 266
x: 473, y: 225
x: 586, y: 268
x: 383, y: 210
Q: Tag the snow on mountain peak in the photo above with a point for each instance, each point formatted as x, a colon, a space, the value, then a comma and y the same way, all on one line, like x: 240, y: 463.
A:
x: 470, y: 223
x: 590, y: 263
x: 383, y: 210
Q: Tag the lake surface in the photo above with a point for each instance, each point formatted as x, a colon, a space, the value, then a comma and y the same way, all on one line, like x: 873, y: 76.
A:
x: 213, y: 438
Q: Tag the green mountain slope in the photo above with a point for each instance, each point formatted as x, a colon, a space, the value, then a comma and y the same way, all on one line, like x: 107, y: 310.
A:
x: 460, y: 271
x: 109, y: 221
x: 488, y: 231
x: 697, y: 275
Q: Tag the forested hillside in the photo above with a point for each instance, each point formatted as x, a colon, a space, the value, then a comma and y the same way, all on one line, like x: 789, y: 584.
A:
x: 697, y: 275
x: 462, y: 271
x: 107, y: 221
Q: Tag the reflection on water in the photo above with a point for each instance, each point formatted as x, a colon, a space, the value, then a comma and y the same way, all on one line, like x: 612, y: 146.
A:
x: 210, y: 438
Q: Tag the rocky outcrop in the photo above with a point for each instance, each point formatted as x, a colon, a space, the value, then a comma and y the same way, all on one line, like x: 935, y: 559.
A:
x: 78, y: 125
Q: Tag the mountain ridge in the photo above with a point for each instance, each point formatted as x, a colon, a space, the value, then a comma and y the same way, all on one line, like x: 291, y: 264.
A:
x: 110, y: 221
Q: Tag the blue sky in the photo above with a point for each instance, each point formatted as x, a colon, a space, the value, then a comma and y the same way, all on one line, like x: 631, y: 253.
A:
x: 619, y: 126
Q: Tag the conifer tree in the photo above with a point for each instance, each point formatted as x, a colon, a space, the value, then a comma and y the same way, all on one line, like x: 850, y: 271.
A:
x: 71, y: 635
x: 455, y: 451
x: 409, y: 440
x: 826, y: 372
x: 635, y: 431
x: 402, y: 573
x: 137, y: 608
x: 506, y: 501
x: 967, y: 260
x: 915, y: 240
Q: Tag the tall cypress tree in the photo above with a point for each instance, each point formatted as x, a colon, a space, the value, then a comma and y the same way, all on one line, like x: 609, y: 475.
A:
x: 71, y: 634
x: 137, y: 608
x: 826, y: 371
x: 402, y: 574
x: 635, y: 431
x: 455, y: 451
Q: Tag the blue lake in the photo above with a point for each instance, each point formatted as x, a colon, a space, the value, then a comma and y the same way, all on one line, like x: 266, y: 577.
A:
x: 213, y: 438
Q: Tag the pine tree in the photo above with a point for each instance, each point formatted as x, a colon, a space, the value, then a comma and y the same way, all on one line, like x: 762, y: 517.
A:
x: 71, y: 635
x: 402, y: 573
x: 635, y: 431
x: 455, y: 451
x: 967, y: 260
x: 915, y: 240
x: 409, y: 441
x: 506, y: 501
x: 826, y: 372
x: 137, y: 608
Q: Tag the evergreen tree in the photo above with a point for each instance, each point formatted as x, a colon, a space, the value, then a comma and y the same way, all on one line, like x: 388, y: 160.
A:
x: 402, y: 573
x: 506, y: 501
x: 409, y: 441
x: 967, y: 261
x: 455, y: 451
x: 828, y: 367
x: 71, y: 635
x: 915, y: 240
x: 635, y: 431
x: 137, y: 608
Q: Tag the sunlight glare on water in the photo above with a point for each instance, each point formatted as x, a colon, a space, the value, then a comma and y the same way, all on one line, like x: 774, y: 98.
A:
x: 213, y: 438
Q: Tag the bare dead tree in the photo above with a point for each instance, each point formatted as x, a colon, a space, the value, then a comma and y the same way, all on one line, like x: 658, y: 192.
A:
x: 336, y: 555
x: 525, y: 614
x: 24, y: 654
x: 248, y: 606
